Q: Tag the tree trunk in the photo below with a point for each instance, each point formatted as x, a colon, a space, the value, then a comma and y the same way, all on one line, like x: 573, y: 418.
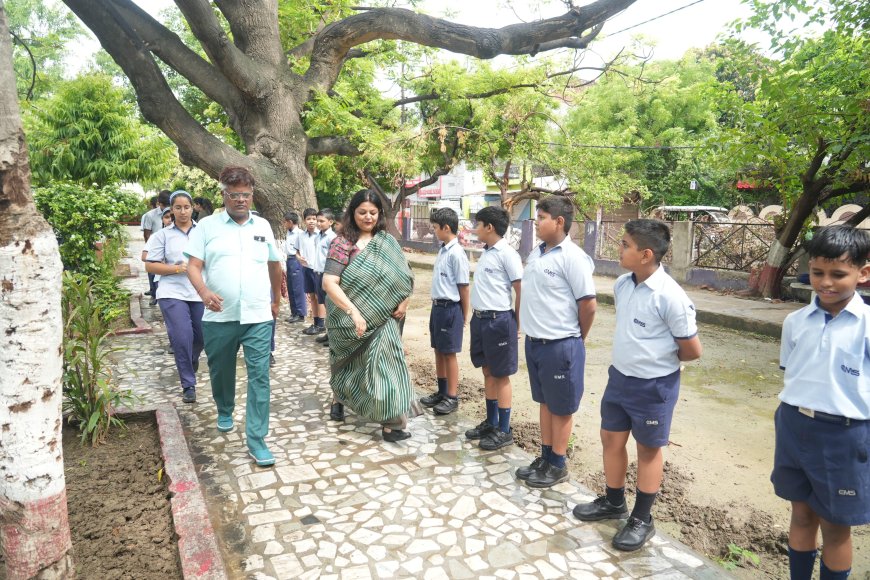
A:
x: 34, y: 531
x: 780, y: 256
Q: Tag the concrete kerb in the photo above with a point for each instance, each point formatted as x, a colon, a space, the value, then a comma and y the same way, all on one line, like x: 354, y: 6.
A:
x: 197, y: 543
x: 140, y: 325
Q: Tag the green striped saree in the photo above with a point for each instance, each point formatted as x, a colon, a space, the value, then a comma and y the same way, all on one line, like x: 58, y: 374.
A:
x: 369, y: 373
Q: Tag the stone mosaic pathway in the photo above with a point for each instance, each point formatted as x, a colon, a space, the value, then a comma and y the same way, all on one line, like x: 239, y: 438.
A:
x: 342, y: 504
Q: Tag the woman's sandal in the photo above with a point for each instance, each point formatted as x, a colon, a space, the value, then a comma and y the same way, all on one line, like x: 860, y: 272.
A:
x: 336, y: 412
x: 395, y: 435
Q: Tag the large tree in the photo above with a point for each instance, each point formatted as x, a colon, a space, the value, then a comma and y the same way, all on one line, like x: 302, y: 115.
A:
x: 264, y: 77
x: 807, y: 131
x: 34, y: 533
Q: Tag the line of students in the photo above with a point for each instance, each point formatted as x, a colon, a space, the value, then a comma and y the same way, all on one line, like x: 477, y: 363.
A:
x: 553, y: 301
x: 822, y: 424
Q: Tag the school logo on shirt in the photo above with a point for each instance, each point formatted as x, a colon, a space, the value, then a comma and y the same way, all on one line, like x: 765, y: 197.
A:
x: 488, y: 270
x: 850, y: 371
x: 640, y: 323
x: 549, y: 273
x: 443, y: 274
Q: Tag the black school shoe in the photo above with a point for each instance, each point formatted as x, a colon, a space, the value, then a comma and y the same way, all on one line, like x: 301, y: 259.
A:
x: 188, y: 395
x: 496, y: 440
x: 481, y: 431
x: 271, y: 360
x: 549, y: 476
x: 599, y: 509
x: 312, y: 330
x: 431, y: 400
x: 523, y: 473
x: 634, y: 535
x: 322, y: 339
x: 446, y: 406
x: 296, y: 318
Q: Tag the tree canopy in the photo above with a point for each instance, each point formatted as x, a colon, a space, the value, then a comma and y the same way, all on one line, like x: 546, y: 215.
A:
x: 85, y: 132
x: 266, y: 73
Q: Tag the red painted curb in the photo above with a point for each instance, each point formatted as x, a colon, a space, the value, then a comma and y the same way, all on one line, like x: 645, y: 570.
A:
x: 140, y: 326
x: 197, y: 543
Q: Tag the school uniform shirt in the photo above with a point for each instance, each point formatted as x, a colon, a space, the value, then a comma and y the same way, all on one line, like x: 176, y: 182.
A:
x: 167, y: 247
x: 649, y: 317
x: 827, y: 359
x: 553, y: 283
x: 450, y: 271
x: 292, y: 242
x: 498, y: 268
x: 322, y: 249
x: 153, y: 220
x: 308, y: 245
x: 236, y: 260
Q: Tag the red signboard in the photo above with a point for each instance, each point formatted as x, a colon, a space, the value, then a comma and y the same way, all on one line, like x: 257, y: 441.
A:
x: 432, y: 191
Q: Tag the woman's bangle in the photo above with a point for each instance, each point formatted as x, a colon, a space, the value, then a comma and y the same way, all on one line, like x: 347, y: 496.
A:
x: 177, y: 269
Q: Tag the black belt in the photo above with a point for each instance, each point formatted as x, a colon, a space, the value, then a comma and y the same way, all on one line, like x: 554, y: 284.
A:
x: 443, y: 302
x: 546, y: 340
x: 489, y: 313
x: 825, y: 417
x: 293, y: 257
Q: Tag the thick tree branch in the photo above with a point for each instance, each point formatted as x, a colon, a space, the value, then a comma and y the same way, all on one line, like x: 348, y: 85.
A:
x: 333, y: 43
x: 255, y: 28
x: 239, y: 68
x: 859, y: 217
x: 170, y: 49
x: 816, y: 162
x: 331, y: 146
x: 196, y: 146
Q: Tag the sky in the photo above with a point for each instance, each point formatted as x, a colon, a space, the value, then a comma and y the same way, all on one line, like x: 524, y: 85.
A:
x: 673, y: 34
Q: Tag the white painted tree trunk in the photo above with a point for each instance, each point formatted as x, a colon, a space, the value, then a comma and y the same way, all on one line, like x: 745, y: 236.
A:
x: 34, y: 530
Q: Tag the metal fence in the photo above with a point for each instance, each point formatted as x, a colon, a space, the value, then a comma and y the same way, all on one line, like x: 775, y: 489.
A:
x: 736, y: 246
x: 610, y: 237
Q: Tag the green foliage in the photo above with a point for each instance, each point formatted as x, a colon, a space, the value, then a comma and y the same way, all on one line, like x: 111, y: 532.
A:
x: 670, y: 109
x: 42, y: 30
x: 737, y: 556
x: 196, y: 182
x: 86, y: 133
x: 811, y: 105
x: 90, y: 395
x: 81, y: 217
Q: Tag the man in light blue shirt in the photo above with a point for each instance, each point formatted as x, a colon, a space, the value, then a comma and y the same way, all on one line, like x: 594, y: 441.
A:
x: 241, y: 292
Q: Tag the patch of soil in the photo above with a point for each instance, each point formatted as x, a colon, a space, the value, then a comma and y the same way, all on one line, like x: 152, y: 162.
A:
x: 119, y: 510
x: 709, y: 529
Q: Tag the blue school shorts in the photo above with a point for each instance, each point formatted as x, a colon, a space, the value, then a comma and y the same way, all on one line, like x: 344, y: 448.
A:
x: 318, y: 288
x: 494, y: 342
x: 556, y: 372
x: 309, y: 280
x: 643, y: 406
x: 823, y: 464
x: 445, y: 326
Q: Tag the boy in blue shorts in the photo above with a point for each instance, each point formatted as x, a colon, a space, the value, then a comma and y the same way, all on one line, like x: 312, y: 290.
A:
x: 307, y: 256
x: 494, y: 326
x: 557, y: 311
x: 325, y: 235
x: 655, y: 331
x: 820, y: 461
x: 295, y: 286
x: 450, y: 310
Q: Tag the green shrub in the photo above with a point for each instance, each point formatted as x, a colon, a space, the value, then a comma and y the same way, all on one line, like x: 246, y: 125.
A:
x: 81, y: 217
x: 90, y: 395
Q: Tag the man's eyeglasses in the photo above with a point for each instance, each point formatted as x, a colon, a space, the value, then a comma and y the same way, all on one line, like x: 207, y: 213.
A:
x: 237, y: 195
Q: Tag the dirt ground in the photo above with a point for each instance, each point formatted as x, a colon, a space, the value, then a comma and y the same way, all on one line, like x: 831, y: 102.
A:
x: 717, y: 489
x: 119, y: 512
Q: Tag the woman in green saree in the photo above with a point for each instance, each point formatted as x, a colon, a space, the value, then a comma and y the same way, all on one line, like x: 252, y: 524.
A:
x: 368, y: 283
